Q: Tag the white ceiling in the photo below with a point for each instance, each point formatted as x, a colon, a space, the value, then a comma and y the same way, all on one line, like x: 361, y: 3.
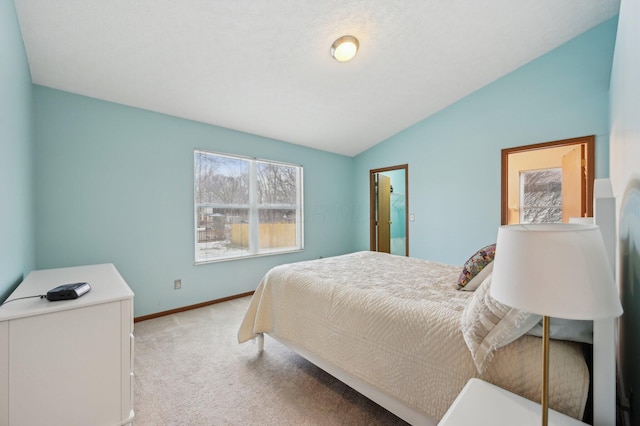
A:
x: 263, y: 66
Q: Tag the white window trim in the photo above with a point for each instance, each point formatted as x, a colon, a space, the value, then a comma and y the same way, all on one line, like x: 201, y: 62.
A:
x: 254, y: 208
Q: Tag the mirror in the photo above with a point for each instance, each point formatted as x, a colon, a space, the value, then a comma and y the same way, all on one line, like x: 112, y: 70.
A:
x: 550, y: 182
x: 389, y: 189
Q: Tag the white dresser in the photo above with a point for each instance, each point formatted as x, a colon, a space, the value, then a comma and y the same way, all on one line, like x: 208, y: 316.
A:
x: 68, y: 362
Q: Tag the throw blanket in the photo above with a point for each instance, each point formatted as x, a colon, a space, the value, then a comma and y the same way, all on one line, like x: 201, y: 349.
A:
x: 394, y: 322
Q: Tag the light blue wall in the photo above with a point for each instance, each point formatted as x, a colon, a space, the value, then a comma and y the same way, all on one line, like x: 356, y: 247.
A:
x: 454, y: 156
x: 115, y: 184
x: 16, y: 150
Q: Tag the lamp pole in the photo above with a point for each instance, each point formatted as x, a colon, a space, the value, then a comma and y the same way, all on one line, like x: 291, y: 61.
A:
x: 545, y: 371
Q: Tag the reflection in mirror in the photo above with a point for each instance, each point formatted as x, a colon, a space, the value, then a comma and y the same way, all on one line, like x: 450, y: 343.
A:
x: 389, y: 210
x: 550, y: 182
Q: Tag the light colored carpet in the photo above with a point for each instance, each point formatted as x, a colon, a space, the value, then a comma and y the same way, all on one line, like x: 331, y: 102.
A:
x: 190, y: 370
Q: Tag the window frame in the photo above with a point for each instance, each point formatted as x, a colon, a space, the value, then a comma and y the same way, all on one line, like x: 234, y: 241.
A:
x: 253, y: 208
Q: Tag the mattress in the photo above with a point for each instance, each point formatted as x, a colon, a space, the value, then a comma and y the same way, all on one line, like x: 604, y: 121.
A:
x: 394, y: 322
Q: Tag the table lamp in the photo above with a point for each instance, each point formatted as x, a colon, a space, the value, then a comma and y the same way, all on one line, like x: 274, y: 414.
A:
x: 554, y: 270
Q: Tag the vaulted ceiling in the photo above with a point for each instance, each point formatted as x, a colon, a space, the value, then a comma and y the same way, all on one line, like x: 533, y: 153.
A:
x: 263, y: 66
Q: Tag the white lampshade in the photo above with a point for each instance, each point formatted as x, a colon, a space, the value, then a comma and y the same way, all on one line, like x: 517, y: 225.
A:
x: 557, y: 270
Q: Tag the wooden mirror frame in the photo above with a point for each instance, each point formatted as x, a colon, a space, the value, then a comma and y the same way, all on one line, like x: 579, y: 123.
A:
x: 588, y: 141
x: 372, y: 204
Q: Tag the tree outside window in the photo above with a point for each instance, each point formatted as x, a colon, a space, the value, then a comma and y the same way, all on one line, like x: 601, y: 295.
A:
x: 245, y: 207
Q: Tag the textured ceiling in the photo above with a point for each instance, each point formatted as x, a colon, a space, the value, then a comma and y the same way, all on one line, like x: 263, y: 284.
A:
x: 263, y: 66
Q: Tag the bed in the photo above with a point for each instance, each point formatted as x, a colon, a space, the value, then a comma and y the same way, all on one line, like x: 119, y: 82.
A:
x: 400, y: 331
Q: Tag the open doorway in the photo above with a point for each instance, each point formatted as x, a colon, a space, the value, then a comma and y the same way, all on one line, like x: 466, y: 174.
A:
x: 549, y: 182
x: 389, y: 207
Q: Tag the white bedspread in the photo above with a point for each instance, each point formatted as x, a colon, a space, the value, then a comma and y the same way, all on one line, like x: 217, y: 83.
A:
x: 394, y: 322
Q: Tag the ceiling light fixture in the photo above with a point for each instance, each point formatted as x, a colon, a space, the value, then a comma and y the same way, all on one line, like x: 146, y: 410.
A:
x: 344, y: 48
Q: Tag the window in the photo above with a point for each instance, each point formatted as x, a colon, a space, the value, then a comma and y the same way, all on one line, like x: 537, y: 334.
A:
x: 245, y: 207
x: 541, y: 196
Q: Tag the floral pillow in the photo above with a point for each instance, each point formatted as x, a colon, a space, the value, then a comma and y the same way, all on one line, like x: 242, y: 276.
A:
x: 472, y: 267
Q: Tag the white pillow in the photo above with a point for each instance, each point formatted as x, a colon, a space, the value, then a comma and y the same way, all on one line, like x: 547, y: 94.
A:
x: 564, y: 329
x: 488, y: 325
